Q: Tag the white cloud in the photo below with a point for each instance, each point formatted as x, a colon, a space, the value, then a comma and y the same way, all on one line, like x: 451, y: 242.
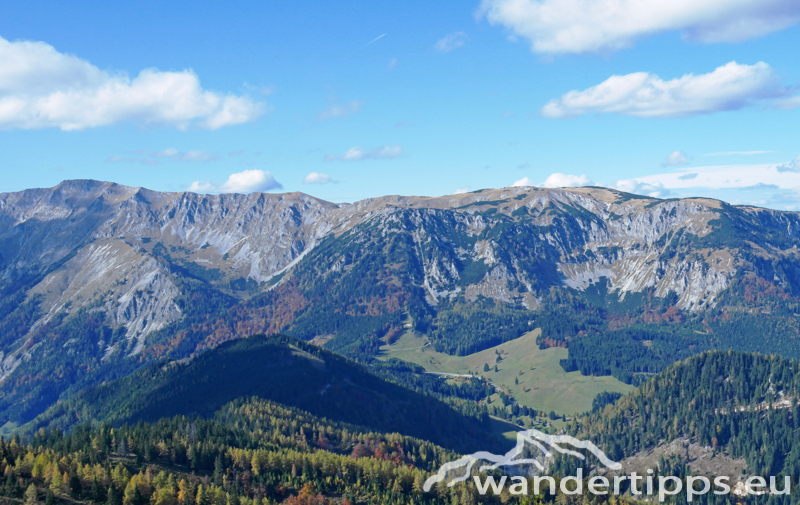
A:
x: 580, y: 26
x: 792, y: 102
x: 461, y: 191
x: 169, y: 154
x: 451, y: 41
x: 784, y: 199
x: 724, y: 177
x: 121, y: 159
x: 765, y: 185
x: 197, y: 155
x: 337, y: 110
x: 43, y: 88
x: 675, y: 159
x: 202, y: 187
x: 172, y: 154
x: 358, y: 154
x: 738, y: 153
x: 792, y: 166
x: 264, y: 90
x: 558, y: 180
x: 248, y: 181
x: 656, y: 190
x: 729, y: 87
x: 317, y: 178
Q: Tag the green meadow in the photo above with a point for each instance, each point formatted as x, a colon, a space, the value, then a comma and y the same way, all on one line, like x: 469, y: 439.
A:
x: 540, y: 383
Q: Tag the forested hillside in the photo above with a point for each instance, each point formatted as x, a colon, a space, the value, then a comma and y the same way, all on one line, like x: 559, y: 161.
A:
x: 280, y: 369
x: 741, y: 405
x: 252, y: 452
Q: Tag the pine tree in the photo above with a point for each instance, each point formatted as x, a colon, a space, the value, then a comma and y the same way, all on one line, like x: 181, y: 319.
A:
x: 129, y: 497
x: 114, y: 497
x: 202, y: 496
x: 185, y: 494
x: 397, y: 488
x: 75, y: 487
x: 11, y: 487
x: 31, y: 495
x: 57, y: 482
x: 219, y: 470
x: 138, y: 499
x: 419, y: 481
x: 98, y: 494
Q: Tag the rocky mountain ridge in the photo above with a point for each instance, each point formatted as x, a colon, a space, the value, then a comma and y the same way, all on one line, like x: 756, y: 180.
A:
x: 138, y: 260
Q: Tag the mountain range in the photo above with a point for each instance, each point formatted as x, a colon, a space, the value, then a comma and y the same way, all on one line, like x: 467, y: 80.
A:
x: 98, y: 279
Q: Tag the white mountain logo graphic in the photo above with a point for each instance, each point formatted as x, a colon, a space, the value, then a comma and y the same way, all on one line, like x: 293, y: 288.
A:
x: 543, y: 442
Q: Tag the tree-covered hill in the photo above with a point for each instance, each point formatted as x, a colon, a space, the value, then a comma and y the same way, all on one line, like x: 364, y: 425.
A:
x: 742, y: 405
x: 276, y: 368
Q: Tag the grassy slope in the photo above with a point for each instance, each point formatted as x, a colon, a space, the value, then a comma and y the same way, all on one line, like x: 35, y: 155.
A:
x: 547, y: 386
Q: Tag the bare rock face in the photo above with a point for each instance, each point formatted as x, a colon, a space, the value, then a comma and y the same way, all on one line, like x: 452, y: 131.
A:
x: 84, y: 241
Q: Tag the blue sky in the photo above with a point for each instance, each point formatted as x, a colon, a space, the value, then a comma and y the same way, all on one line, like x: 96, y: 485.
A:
x: 348, y: 100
